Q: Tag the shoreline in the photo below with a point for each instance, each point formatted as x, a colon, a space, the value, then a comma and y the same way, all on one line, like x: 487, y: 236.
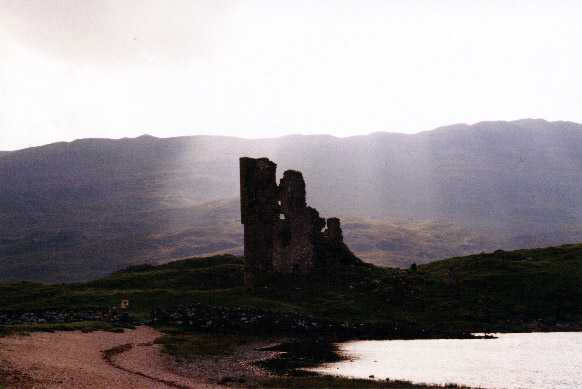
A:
x: 76, y: 359
x: 136, y: 357
x: 133, y: 359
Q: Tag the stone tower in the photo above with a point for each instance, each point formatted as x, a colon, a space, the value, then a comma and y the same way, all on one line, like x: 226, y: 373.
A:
x: 259, y: 213
x: 281, y: 233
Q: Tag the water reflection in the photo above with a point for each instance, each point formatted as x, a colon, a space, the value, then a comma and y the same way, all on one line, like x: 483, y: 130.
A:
x: 533, y: 360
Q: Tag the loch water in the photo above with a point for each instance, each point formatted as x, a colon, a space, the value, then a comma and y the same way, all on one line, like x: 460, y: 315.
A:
x: 515, y: 360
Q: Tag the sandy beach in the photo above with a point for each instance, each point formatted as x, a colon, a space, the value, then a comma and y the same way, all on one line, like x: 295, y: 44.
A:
x: 128, y: 360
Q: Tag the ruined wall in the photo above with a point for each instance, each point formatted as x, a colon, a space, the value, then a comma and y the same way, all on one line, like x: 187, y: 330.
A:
x: 282, y: 233
x: 298, y: 227
x: 334, y: 230
x: 258, y: 198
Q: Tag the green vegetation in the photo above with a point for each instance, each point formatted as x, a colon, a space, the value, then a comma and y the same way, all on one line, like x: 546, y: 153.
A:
x: 85, y: 326
x: 519, y: 290
x: 486, y: 292
x: 187, y: 346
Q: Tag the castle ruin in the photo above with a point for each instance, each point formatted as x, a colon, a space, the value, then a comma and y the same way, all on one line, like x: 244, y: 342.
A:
x: 281, y: 233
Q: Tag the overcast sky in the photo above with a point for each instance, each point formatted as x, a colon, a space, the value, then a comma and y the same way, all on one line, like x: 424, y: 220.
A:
x: 109, y: 68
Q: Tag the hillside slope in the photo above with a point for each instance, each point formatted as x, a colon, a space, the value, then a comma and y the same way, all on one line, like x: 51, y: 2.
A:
x: 83, y: 251
x: 73, y: 211
x: 517, y: 290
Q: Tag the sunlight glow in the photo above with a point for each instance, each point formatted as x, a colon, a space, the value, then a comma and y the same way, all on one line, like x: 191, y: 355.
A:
x: 102, y: 68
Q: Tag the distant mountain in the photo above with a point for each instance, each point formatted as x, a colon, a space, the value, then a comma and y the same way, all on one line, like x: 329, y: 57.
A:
x: 87, y: 247
x: 79, y: 210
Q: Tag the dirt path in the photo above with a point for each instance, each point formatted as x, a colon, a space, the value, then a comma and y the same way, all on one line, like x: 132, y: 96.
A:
x: 73, y: 360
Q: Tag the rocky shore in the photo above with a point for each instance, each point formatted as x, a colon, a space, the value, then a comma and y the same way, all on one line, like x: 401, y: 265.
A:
x: 54, y: 316
x: 200, y: 317
x: 212, y: 318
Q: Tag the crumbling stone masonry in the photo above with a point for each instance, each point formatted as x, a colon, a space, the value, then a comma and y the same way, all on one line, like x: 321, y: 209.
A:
x: 281, y: 233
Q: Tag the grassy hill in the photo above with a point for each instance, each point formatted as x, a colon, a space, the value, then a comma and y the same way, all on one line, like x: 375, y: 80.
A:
x: 517, y: 290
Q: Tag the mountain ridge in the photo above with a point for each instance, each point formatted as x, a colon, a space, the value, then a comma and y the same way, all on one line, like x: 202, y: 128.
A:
x: 145, y: 136
x: 119, y: 202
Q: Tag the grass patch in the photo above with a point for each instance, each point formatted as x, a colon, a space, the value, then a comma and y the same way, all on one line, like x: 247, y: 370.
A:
x: 185, y: 346
x: 189, y: 347
x: 84, y: 326
x: 482, y: 293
